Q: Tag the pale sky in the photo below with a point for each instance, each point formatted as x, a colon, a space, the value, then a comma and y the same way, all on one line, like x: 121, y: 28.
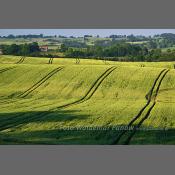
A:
x: 81, y: 32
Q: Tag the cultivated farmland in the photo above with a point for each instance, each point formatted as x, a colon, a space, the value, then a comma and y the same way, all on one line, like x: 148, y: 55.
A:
x: 56, y: 101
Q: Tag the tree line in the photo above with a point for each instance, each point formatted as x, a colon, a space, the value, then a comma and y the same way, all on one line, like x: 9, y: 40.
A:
x: 119, y: 51
x: 122, y: 52
x: 31, y: 49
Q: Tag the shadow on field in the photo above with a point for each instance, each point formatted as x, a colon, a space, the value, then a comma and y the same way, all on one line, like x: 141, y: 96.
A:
x: 56, y: 136
x: 50, y: 135
x: 11, y: 120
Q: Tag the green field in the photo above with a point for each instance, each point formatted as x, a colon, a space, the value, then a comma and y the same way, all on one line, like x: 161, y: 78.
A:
x: 93, y: 102
x: 169, y: 48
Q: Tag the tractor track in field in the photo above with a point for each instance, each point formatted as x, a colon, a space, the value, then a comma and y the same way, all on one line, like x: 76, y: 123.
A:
x: 21, y: 60
x: 50, y: 61
x: 8, y: 100
x: 86, y: 97
x: 34, y: 87
x: 50, y: 104
x: 148, y: 112
x: 6, y: 69
x: 158, y: 80
x: 40, y: 82
x: 92, y: 89
x: 31, y: 89
x: 133, y: 73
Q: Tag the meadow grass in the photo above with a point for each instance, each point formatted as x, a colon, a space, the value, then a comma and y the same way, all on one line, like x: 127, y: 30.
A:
x: 37, y: 118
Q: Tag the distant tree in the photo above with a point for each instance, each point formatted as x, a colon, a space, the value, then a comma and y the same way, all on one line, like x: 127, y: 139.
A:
x: 23, y: 49
x: 131, y: 38
x: 13, y: 49
x: 11, y: 36
x: 168, y: 50
x: 63, y: 48
x: 152, y: 44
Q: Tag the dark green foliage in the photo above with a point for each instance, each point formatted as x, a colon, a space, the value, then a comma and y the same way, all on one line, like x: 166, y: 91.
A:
x: 63, y: 48
x: 114, y: 47
x: 23, y: 49
x: 116, y: 50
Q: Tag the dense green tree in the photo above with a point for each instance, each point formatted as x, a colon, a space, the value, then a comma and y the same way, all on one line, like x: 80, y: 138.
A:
x: 23, y: 49
x: 63, y: 48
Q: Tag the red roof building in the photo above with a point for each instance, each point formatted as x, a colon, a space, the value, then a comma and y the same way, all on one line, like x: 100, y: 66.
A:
x: 43, y: 48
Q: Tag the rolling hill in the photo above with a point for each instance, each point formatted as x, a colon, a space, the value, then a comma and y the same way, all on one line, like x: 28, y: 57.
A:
x: 57, y: 101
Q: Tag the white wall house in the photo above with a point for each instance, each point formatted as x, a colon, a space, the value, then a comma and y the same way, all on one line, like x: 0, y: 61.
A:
x: 43, y: 48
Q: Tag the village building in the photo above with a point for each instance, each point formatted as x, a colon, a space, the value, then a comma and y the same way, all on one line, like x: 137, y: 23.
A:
x: 43, y: 48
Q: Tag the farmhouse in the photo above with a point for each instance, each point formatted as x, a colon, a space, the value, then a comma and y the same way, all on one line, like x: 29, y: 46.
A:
x: 43, y: 48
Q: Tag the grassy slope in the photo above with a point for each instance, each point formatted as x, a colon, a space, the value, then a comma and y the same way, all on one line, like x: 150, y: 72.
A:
x: 117, y: 100
x: 162, y: 116
x: 67, y: 85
